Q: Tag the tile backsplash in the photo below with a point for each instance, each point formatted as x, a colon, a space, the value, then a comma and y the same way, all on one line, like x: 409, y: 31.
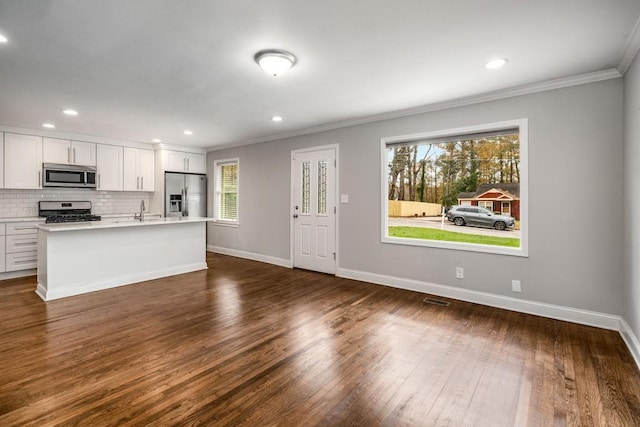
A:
x: 24, y: 203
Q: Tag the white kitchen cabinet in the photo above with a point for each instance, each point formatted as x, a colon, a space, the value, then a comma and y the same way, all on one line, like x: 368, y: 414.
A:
x: 139, y: 169
x: 2, y: 250
x: 22, y: 161
x: 68, y: 152
x: 109, y: 162
x: 177, y: 161
x: 21, y: 246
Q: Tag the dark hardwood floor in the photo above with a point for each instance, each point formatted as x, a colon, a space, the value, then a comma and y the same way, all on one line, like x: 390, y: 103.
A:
x: 247, y: 343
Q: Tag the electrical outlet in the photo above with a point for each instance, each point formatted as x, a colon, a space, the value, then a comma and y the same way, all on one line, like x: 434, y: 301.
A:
x: 515, y: 286
x: 459, y: 273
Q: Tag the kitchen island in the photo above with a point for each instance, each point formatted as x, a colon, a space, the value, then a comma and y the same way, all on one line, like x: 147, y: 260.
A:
x: 76, y: 258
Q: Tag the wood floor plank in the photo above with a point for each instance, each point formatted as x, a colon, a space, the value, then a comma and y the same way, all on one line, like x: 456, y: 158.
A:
x: 246, y: 343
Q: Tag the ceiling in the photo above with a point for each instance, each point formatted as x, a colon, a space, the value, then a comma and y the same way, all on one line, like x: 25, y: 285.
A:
x: 144, y: 69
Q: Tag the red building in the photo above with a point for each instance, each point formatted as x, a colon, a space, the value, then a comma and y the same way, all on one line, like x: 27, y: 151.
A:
x: 502, y: 198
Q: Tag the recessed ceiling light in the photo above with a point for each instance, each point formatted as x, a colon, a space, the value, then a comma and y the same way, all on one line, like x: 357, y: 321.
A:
x: 3, y: 39
x: 188, y: 132
x: 276, y: 118
x: 49, y: 125
x: 496, y: 63
x: 156, y: 140
x: 70, y: 112
x: 275, y: 61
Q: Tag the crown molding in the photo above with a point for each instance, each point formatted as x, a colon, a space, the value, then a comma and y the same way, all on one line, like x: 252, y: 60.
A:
x: 560, y: 83
x: 630, y: 50
x: 74, y: 136
x: 181, y: 148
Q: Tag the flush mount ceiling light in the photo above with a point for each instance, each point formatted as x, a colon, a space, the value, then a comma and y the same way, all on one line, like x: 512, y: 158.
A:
x: 70, y: 112
x: 49, y: 125
x: 156, y: 140
x: 188, y: 132
x: 3, y: 39
x: 275, y: 61
x: 496, y: 63
x: 276, y: 119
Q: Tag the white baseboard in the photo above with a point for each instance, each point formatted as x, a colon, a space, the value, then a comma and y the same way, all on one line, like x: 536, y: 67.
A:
x: 282, y: 262
x: 19, y: 273
x: 631, y: 340
x: 584, y: 317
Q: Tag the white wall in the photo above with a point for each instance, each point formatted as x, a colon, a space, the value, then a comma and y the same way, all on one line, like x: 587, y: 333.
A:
x: 631, y: 295
x: 575, y: 188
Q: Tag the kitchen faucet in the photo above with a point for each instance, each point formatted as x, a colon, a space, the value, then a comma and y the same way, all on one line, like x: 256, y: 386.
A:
x: 141, y: 215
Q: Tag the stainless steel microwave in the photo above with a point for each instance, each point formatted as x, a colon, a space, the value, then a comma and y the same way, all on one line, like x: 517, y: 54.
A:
x: 73, y: 176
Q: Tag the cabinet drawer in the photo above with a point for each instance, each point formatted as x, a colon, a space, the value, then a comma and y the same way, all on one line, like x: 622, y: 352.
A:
x: 22, y: 261
x: 21, y: 228
x: 2, y: 229
x: 22, y: 243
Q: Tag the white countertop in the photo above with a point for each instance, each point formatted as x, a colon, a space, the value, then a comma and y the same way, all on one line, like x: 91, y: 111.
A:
x: 22, y: 219
x: 117, y: 223
x: 104, y: 216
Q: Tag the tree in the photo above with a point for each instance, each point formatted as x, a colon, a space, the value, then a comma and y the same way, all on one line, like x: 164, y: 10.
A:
x: 439, y: 172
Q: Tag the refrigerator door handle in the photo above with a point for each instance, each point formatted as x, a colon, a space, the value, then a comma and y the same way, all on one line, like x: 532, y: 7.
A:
x: 186, y: 201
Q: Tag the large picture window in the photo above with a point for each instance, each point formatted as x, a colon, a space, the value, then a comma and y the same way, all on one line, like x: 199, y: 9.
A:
x: 460, y: 188
x: 227, y: 190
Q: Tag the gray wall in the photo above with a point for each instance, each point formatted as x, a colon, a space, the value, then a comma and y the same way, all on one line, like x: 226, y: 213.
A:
x: 631, y: 296
x: 575, y: 195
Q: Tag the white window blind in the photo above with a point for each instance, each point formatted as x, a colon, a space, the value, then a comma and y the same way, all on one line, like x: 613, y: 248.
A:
x: 227, y: 190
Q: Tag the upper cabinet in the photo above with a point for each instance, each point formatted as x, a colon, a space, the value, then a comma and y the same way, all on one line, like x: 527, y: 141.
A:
x: 22, y: 161
x: 139, y: 169
x: 69, y: 152
x: 110, y: 167
x: 177, y: 161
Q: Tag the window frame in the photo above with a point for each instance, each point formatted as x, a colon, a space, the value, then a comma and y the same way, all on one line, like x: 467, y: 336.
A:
x: 217, y: 192
x: 483, y: 204
x: 522, y: 126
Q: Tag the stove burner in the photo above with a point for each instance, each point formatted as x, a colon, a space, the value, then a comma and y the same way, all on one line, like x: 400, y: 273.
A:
x: 72, y: 218
x: 56, y: 212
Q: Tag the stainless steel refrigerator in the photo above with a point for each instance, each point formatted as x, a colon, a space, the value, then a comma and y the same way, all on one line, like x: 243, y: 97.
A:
x: 185, y: 194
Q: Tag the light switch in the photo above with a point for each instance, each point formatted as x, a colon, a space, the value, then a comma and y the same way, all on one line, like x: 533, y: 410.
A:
x: 344, y: 198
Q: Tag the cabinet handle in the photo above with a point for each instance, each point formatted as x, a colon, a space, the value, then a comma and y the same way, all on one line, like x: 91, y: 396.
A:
x: 188, y: 165
x: 137, y: 182
x: 99, y: 181
x: 184, y: 164
x: 142, y: 182
x: 69, y: 154
x: 74, y: 155
x: 39, y: 179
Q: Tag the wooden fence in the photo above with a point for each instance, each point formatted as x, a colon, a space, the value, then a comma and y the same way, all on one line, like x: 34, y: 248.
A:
x: 399, y: 208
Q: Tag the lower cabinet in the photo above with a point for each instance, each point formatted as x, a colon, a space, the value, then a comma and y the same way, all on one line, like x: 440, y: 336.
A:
x: 2, y: 252
x: 20, y: 246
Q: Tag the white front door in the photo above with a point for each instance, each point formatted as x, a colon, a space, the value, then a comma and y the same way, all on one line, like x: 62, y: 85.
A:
x: 314, y: 210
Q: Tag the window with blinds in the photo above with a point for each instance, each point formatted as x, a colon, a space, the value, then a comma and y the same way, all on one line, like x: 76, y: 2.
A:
x: 227, y: 190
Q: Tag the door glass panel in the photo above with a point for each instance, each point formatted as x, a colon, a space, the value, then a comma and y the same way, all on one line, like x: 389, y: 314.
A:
x: 322, y: 187
x: 306, y: 187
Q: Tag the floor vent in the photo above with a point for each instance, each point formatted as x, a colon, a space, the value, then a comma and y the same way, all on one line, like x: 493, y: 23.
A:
x: 434, y: 301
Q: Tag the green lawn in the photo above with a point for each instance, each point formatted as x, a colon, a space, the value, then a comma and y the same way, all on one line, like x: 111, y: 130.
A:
x: 451, y: 236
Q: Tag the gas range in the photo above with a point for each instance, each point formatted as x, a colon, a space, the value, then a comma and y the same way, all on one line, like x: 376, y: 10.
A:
x: 59, y: 212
